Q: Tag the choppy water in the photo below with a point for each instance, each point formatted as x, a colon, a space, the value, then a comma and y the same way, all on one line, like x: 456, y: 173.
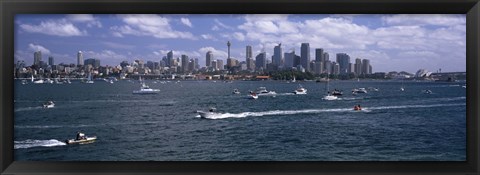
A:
x: 393, y: 126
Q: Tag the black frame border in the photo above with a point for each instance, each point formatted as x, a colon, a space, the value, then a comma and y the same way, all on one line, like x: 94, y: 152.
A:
x: 9, y: 8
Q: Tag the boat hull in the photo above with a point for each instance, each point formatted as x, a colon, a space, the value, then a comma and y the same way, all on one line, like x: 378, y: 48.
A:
x: 83, y: 141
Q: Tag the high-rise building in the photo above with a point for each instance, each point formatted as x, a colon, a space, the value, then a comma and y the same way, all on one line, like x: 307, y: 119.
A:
x: 289, y: 59
x: 366, y: 67
x: 37, y: 58
x: 51, y: 61
x: 228, y: 45
x: 208, y: 59
x: 319, y: 55
x: 214, y: 64
x: 231, y: 62
x: 220, y: 65
x: 305, y: 55
x: 328, y: 67
x: 95, y: 63
x: 185, y: 61
x: 170, y: 61
x: 343, y: 61
x: 336, y: 68
x: 261, y: 60
x: 358, y: 66
x: 277, y: 58
x: 318, y: 67
x: 248, y: 53
x: 80, y: 58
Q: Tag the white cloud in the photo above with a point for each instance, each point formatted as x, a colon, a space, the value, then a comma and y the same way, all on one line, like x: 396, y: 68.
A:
x: 239, y: 36
x: 425, y: 19
x: 85, y: 18
x: 35, y: 47
x: 56, y: 28
x: 117, y: 45
x: 219, y: 25
x: 217, y: 54
x: 186, y: 21
x: 148, y: 25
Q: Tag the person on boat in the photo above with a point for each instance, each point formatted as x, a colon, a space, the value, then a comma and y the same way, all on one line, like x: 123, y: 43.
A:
x: 80, y: 136
x: 357, y: 108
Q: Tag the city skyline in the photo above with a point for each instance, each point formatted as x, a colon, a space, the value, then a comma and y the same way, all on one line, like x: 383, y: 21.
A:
x: 390, y: 42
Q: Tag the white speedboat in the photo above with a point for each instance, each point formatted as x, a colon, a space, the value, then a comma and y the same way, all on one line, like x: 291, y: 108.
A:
x: 330, y: 97
x: 235, y: 91
x: 428, y: 91
x: 24, y: 81
x: 38, y: 81
x: 252, y: 95
x: 263, y: 91
x: 300, y: 90
x: 81, y: 141
x: 49, y: 104
x: 337, y: 92
x: 359, y: 91
x: 207, y: 114
x: 146, y: 90
x: 402, y: 89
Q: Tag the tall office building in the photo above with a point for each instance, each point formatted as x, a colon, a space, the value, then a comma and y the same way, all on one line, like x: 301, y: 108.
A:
x: 366, y: 67
x: 358, y: 66
x: 51, y: 61
x: 319, y: 55
x: 208, y: 59
x: 277, y: 58
x: 220, y: 65
x: 318, y: 69
x: 170, y: 61
x: 261, y: 60
x: 305, y: 55
x: 289, y: 59
x: 248, y: 53
x: 79, y: 58
x: 343, y: 61
x: 214, y: 64
x: 37, y: 58
x: 92, y: 61
x: 185, y: 61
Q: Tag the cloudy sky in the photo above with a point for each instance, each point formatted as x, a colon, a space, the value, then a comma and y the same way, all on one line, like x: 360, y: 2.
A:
x: 391, y: 42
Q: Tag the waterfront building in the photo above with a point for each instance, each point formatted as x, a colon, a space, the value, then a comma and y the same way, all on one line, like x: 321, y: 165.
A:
x: 248, y: 52
x: 170, y: 59
x: 305, y: 55
x: 220, y: 65
x: 289, y: 59
x: 95, y: 63
x: 366, y: 67
x: 80, y: 58
x: 51, y: 61
x: 318, y: 69
x: 37, y: 58
x: 319, y: 55
x: 184, y: 63
x: 343, y: 61
x: 328, y: 67
x: 335, y: 68
x: 358, y: 66
x: 277, y: 58
x: 208, y: 59
x: 261, y: 60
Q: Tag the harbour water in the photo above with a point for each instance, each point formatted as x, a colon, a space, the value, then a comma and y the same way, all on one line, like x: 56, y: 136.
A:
x: 393, y: 125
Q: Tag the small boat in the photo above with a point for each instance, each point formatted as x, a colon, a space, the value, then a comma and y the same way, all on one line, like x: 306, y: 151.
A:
x: 328, y: 96
x: 48, y: 104
x: 38, y: 81
x: 81, y: 141
x: 337, y: 92
x: 235, y: 91
x: 208, y: 114
x: 300, y: 90
x: 357, y: 108
x: 146, y: 90
x: 402, y: 89
x: 464, y: 86
x: 373, y: 89
x: 428, y: 91
x: 49, y: 81
x: 263, y: 91
x: 253, y: 95
x: 24, y: 81
x: 359, y: 91
x: 89, y: 79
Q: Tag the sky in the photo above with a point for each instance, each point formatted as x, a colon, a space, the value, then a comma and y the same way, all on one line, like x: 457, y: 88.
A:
x: 397, y: 42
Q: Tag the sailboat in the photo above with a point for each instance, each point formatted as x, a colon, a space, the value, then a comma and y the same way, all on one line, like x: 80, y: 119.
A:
x: 402, y: 88
x: 294, y: 80
x: 89, y: 80
x: 328, y: 96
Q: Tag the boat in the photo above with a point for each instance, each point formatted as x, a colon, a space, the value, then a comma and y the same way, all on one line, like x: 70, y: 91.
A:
x: 235, y: 91
x: 337, y: 92
x: 253, y: 95
x: 24, y: 81
x: 48, y: 104
x: 89, y: 79
x: 359, y: 91
x: 264, y: 91
x: 428, y: 91
x: 294, y: 80
x: 373, y: 89
x: 328, y: 96
x: 144, y: 89
x: 357, y: 108
x: 208, y: 114
x: 49, y: 81
x: 402, y: 89
x: 38, y: 81
x: 300, y: 90
x: 81, y: 141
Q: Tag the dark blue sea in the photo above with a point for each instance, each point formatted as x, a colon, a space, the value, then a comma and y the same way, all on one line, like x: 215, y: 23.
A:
x: 393, y: 125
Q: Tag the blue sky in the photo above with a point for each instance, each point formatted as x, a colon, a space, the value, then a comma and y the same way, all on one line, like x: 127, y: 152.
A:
x: 391, y: 42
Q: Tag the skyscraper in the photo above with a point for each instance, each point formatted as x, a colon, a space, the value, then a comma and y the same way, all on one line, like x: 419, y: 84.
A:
x: 248, y: 58
x: 185, y: 61
x: 37, y: 58
x: 305, y: 55
x: 79, y: 58
x: 261, y: 60
x: 248, y: 53
x: 358, y: 66
x: 220, y: 64
x: 319, y: 55
x: 208, y: 59
x: 343, y: 61
x: 229, y: 60
x: 366, y: 67
x: 170, y: 61
x: 50, y: 61
x: 277, y: 57
x: 289, y: 59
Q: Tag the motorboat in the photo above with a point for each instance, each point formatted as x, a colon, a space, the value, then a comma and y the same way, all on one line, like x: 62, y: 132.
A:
x: 373, y: 89
x: 300, y: 90
x: 48, y: 104
x: 38, y: 81
x: 264, y: 91
x: 235, y: 91
x: 144, y: 89
x: 49, y: 81
x: 330, y: 97
x: 89, y: 79
x: 207, y: 114
x: 81, y: 141
x: 428, y: 91
x: 359, y: 91
x: 337, y: 92
x: 402, y: 89
x: 253, y: 95
x: 24, y: 81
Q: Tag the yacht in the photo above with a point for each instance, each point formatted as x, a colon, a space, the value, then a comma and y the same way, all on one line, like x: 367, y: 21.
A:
x: 300, y: 90
x: 206, y: 114
x: 146, y: 90
x: 263, y: 91
x: 38, y: 81
x: 328, y: 96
